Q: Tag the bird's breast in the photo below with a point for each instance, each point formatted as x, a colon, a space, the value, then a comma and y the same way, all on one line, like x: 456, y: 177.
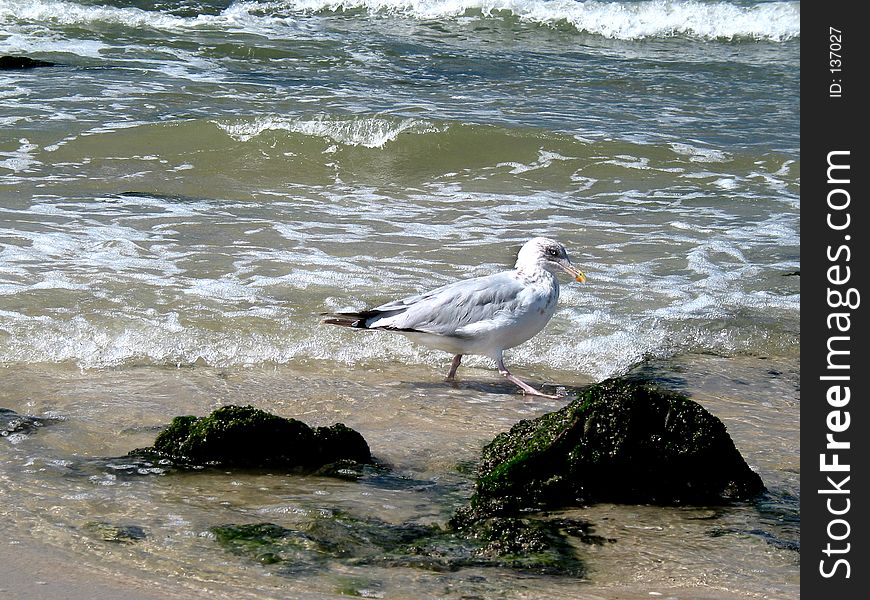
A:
x: 530, y: 316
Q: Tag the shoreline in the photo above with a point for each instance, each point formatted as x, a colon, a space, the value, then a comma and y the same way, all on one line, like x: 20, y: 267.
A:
x: 34, y: 570
x: 418, y: 425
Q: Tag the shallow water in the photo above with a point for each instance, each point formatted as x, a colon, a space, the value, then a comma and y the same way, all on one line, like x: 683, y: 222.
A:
x: 196, y: 181
x: 428, y: 433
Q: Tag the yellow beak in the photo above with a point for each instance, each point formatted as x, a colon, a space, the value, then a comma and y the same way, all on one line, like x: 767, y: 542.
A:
x: 574, y: 272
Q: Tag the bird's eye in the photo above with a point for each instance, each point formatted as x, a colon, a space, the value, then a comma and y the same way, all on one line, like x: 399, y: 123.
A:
x: 552, y: 252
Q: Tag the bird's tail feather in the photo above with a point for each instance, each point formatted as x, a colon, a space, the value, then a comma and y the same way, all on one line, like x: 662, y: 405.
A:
x: 356, y: 320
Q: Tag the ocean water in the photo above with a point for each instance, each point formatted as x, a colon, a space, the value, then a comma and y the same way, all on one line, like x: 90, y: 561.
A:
x: 195, y: 181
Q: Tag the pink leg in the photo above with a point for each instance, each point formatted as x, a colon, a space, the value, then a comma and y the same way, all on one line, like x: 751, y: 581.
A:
x: 453, y: 367
x: 527, y: 389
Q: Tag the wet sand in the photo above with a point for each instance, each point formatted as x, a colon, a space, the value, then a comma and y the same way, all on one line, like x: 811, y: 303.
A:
x: 38, y: 571
x: 31, y: 570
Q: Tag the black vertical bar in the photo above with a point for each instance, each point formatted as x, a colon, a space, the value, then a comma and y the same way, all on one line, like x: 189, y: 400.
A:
x: 835, y: 227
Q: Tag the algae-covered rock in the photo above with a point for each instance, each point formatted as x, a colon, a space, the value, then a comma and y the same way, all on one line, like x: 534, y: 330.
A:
x: 311, y: 545
x: 244, y: 436
x: 528, y: 545
x: 619, y: 441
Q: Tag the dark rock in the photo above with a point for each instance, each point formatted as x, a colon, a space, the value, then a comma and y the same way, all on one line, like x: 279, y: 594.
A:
x: 15, y: 63
x: 514, y: 537
x: 13, y: 423
x: 244, y: 436
x: 619, y: 441
x: 117, y: 534
x: 341, y: 443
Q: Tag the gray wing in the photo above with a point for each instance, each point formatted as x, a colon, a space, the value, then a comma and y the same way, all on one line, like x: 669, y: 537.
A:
x: 448, y: 309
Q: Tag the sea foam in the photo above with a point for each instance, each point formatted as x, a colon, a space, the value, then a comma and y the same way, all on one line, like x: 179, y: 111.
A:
x: 770, y: 21
x: 775, y: 21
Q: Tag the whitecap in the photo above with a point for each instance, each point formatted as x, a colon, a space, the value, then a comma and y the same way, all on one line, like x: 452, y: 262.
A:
x: 368, y: 132
x: 773, y: 21
x: 698, y: 154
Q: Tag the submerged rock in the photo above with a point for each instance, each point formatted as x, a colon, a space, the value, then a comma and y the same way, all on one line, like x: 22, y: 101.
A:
x: 619, y: 441
x: 526, y: 545
x: 11, y: 63
x: 244, y: 436
x: 309, y: 545
x: 15, y: 427
x: 117, y: 534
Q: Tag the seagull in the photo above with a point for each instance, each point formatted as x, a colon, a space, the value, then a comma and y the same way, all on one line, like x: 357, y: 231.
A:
x: 482, y: 316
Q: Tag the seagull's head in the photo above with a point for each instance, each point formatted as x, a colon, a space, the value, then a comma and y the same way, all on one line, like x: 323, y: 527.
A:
x: 547, y: 254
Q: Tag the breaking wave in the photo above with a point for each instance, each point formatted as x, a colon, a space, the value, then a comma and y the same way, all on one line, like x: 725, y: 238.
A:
x: 768, y: 21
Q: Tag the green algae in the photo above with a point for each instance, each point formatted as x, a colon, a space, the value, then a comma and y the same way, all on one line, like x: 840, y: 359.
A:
x: 618, y: 441
x: 244, y: 436
x: 533, y: 546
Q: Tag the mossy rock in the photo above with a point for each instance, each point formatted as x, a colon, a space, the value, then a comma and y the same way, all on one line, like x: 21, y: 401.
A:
x: 312, y: 545
x: 619, y: 441
x: 534, y: 546
x: 244, y: 436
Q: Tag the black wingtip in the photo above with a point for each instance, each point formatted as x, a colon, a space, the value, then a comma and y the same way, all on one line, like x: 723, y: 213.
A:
x: 356, y: 320
x: 343, y: 321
